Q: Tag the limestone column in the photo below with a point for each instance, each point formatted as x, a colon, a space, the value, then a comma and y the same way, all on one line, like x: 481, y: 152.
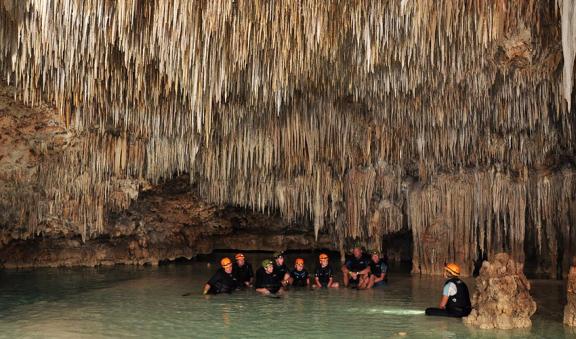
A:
x: 570, y: 309
x: 502, y: 298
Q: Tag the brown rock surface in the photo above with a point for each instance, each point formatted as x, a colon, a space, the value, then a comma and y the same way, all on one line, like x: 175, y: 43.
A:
x: 570, y: 308
x: 167, y: 222
x: 502, y: 298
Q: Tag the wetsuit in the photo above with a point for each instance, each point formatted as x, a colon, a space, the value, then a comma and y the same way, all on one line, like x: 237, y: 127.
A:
x: 280, y: 271
x: 356, y: 265
x: 377, y: 269
x: 324, y: 274
x: 300, y: 277
x: 222, y: 282
x: 267, y: 281
x: 458, y: 304
x: 243, y: 274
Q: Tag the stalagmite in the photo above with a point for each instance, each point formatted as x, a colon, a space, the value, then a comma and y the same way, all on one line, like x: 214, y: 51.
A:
x: 502, y: 298
x: 570, y: 308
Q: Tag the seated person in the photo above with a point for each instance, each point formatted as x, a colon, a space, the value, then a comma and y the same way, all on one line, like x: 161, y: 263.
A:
x: 323, y: 276
x: 455, y: 300
x: 223, y: 281
x: 280, y: 268
x: 356, y: 270
x: 243, y: 271
x: 378, y: 270
x: 299, y: 276
x: 266, y: 280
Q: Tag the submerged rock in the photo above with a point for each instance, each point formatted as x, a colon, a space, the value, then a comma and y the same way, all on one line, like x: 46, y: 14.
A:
x: 502, y: 298
x: 570, y: 308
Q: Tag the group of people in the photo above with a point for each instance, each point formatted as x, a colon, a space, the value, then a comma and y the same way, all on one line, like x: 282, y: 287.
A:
x: 274, y: 276
x: 360, y: 272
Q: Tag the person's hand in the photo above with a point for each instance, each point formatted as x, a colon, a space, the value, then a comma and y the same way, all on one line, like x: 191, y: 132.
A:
x: 204, y: 292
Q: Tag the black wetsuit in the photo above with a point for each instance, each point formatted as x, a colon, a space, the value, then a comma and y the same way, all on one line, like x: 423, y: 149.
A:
x: 458, y: 305
x: 243, y: 274
x: 356, y: 265
x: 378, y: 268
x: 280, y: 271
x: 300, y: 277
x: 324, y: 274
x: 267, y: 281
x: 222, y: 282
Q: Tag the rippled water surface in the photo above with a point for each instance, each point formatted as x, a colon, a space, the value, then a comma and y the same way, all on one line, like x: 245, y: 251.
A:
x: 148, y: 302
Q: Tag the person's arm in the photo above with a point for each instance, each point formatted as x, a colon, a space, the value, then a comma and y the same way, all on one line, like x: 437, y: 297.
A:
x: 308, y: 281
x: 206, y: 289
x: 380, y: 278
x: 263, y: 290
x: 364, y: 271
x: 448, y: 290
x: 443, y: 301
x: 317, y: 282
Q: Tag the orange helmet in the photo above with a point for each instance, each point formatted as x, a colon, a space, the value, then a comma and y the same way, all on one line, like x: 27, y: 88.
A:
x: 239, y: 256
x: 323, y: 256
x: 453, y: 269
x: 299, y: 261
x: 225, y: 262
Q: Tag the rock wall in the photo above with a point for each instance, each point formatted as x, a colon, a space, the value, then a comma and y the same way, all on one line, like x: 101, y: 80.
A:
x: 570, y: 308
x: 167, y: 222
x: 502, y: 298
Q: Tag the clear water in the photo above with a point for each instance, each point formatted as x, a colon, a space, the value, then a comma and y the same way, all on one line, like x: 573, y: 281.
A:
x: 147, y: 302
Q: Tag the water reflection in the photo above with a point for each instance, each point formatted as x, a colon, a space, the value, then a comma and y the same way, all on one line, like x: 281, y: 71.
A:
x: 148, y: 302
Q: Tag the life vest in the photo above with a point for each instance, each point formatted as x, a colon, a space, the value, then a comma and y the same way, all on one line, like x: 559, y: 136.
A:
x: 461, y: 300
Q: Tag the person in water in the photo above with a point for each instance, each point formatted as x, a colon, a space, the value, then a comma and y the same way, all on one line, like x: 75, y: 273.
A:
x: 223, y: 281
x: 378, y: 270
x: 356, y: 270
x: 299, y: 276
x: 324, y: 276
x: 266, y: 280
x: 455, y: 300
x: 280, y: 269
x: 243, y: 271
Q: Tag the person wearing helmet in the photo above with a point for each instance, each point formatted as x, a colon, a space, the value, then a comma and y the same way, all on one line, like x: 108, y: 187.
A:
x: 455, y: 300
x: 280, y: 269
x: 243, y: 271
x: 356, y: 270
x: 299, y: 276
x: 223, y: 281
x: 378, y: 270
x: 324, y: 276
x: 266, y: 280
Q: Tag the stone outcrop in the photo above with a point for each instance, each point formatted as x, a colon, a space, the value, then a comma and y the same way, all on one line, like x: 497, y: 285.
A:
x: 570, y: 308
x: 502, y: 298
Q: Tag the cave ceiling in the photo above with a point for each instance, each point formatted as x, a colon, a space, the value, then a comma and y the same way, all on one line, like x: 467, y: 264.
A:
x: 330, y: 112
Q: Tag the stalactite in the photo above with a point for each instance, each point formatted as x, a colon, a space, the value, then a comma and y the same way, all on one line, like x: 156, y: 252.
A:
x: 317, y: 110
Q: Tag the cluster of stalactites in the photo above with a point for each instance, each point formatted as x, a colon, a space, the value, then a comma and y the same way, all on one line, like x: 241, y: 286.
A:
x: 315, y: 109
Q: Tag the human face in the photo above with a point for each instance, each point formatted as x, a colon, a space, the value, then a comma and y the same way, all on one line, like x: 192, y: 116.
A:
x: 324, y: 262
x: 375, y: 257
x: 269, y: 269
x: 228, y: 268
x: 240, y: 261
x: 299, y: 267
x: 357, y: 251
x: 280, y: 261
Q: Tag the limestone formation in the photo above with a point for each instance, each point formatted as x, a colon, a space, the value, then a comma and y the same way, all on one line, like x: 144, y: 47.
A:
x: 358, y: 119
x: 502, y: 298
x: 570, y: 308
